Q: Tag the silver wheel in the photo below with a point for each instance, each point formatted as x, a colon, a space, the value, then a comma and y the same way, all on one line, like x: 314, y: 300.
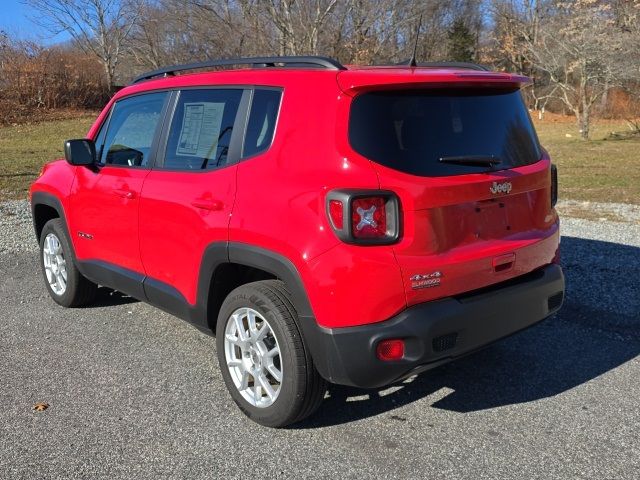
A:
x: 55, y: 265
x: 252, y: 354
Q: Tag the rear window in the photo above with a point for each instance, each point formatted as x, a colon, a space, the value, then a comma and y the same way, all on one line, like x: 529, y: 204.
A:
x: 412, y: 131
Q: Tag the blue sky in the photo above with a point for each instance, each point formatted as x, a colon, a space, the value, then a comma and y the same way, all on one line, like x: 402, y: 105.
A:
x: 14, y: 19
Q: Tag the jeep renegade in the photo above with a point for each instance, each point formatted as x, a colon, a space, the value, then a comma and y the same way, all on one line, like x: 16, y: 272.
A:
x: 354, y: 225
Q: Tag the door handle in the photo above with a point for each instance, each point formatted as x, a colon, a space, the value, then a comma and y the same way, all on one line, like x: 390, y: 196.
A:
x: 124, y: 193
x: 208, y: 204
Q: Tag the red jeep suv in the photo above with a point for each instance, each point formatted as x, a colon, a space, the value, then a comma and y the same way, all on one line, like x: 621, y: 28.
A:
x: 353, y: 225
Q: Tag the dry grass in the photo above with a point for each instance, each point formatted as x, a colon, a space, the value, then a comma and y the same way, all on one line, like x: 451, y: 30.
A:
x: 25, y: 148
x: 598, y: 170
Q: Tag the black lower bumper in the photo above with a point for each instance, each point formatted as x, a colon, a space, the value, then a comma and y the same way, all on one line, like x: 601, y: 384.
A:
x: 435, y: 332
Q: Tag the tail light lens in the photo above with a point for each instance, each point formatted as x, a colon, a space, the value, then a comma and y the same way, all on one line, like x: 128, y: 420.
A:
x: 364, y: 217
x: 554, y: 185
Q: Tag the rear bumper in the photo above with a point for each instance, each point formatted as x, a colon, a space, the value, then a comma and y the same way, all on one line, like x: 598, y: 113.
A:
x: 436, y: 332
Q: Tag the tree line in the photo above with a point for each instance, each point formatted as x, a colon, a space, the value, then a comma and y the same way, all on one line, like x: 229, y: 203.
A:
x: 578, y: 52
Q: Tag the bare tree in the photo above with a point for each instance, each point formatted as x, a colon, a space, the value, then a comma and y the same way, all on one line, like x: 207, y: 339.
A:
x: 627, y: 25
x: 516, y: 23
x: 575, y: 49
x: 298, y: 23
x: 98, y: 27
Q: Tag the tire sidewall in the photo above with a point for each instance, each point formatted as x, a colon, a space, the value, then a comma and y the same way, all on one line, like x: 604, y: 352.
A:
x: 286, y: 403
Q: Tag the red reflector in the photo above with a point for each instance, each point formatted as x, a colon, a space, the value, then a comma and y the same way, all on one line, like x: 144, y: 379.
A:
x: 390, y: 349
x: 336, y: 213
x: 368, y: 217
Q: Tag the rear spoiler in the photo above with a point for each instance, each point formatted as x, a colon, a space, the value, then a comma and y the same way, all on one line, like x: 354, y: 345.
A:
x: 352, y: 82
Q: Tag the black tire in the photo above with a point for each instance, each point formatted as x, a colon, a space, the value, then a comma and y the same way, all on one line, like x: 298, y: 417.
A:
x: 79, y: 290
x: 302, y: 388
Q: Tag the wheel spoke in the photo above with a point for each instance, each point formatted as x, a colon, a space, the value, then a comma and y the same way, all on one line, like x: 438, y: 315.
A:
x: 275, y: 373
x: 267, y: 386
x: 253, y: 328
x: 262, y: 333
x: 273, y: 352
x: 235, y: 363
x: 244, y: 381
x: 257, y: 391
x: 242, y: 334
x: 60, y: 281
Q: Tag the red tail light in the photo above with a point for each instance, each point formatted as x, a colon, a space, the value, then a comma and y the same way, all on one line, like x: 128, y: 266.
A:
x: 369, y: 217
x: 390, y: 349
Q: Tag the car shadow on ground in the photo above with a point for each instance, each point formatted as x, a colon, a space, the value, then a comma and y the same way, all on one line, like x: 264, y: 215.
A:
x: 107, y: 297
x: 597, y: 330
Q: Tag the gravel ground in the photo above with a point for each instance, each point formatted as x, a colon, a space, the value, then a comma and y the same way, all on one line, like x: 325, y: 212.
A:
x: 16, y: 228
x: 135, y: 393
x: 617, y: 212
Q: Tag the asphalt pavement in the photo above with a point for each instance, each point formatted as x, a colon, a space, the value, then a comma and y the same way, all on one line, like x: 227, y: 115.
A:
x: 136, y: 393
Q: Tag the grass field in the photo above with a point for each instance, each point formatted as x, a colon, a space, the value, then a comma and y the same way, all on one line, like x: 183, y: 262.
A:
x: 25, y: 148
x: 598, y: 170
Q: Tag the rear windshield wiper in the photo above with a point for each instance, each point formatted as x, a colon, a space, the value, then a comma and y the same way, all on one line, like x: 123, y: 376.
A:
x: 473, y: 160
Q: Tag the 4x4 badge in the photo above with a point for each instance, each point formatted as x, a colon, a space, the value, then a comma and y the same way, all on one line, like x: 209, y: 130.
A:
x: 500, y: 187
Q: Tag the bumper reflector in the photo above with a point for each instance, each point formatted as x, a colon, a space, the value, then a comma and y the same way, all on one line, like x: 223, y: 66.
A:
x: 390, y: 349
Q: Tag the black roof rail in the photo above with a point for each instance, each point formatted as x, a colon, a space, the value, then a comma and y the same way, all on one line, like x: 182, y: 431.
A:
x: 464, y: 65
x: 290, y: 61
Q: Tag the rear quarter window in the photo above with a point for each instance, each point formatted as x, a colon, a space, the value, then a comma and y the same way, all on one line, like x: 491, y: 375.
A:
x: 411, y: 131
x: 262, y: 121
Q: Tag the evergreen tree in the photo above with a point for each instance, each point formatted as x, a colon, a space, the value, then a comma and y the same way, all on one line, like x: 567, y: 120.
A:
x: 461, y: 42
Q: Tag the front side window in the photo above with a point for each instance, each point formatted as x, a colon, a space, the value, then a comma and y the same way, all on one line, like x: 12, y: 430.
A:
x: 130, y: 130
x: 200, y: 133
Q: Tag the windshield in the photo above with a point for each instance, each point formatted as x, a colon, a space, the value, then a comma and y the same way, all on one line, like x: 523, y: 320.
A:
x: 412, y: 131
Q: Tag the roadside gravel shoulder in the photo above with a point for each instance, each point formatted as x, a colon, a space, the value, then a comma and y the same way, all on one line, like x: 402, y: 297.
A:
x: 16, y: 228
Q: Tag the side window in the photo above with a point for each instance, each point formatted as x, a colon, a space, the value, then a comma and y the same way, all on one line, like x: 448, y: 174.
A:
x: 99, y: 140
x: 262, y: 121
x: 201, y: 129
x: 131, y: 129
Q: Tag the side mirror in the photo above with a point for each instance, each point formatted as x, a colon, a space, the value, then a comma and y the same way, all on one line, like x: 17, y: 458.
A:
x: 81, y: 152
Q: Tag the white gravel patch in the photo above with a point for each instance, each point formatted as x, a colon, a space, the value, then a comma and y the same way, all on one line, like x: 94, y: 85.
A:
x: 16, y: 228
x: 603, y: 230
x: 621, y: 212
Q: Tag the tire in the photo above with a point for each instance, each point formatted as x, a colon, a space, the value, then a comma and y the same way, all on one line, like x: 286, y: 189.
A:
x: 74, y: 290
x: 301, y: 389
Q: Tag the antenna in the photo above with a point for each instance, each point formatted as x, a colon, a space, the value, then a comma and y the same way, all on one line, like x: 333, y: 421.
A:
x: 412, y: 62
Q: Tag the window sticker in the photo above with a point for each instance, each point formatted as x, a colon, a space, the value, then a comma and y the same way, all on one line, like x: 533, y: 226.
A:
x: 201, y: 123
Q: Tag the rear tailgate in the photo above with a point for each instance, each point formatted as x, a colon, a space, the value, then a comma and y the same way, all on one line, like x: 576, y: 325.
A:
x: 465, y: 225
x: 458, y: 236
